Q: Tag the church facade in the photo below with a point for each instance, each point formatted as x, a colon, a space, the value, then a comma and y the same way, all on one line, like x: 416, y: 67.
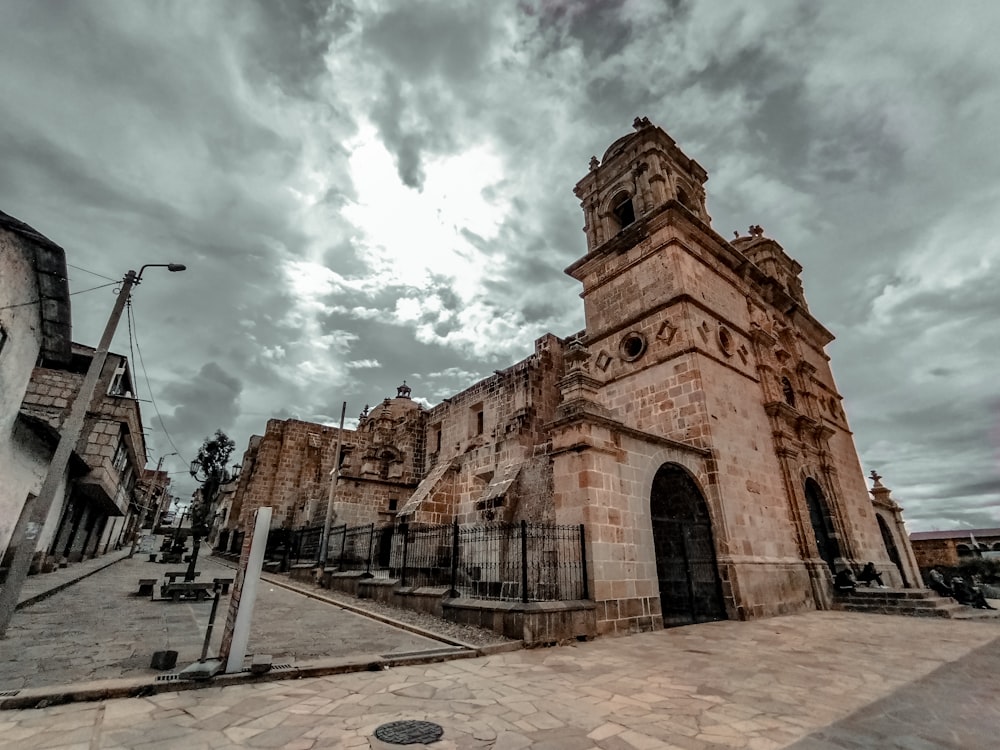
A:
x: 694, y: 426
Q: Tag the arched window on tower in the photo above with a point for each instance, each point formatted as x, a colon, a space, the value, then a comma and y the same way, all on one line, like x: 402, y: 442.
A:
x: 682, y: 198
x: 788, y: 391
x: 621, y: 208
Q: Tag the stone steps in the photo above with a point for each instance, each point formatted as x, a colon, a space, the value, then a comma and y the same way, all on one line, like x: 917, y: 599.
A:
x: 910, y: 602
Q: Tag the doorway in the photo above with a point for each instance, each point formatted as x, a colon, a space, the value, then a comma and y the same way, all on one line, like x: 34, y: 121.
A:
x: 690, y: 590
x: 819, y: 518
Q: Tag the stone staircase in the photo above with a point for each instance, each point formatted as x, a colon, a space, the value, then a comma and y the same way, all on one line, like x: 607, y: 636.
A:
x: 910, y: 602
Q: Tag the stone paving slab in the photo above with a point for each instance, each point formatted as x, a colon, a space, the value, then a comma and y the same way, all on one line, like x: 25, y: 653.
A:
x: 844, y: 679
x: 99, y: 629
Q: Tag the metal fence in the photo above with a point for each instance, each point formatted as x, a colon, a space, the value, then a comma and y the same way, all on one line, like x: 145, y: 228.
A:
x: 504, y: 561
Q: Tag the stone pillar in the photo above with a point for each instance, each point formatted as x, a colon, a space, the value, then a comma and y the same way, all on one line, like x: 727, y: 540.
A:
x: 892, y: 513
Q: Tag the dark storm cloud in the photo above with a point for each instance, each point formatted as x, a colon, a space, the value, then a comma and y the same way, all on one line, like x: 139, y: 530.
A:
x: 221, y: 134
x: 422, y: 45
x: 206, y: 402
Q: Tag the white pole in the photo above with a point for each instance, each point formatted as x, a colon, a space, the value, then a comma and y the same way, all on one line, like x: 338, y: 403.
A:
x: 324, y: 546
x: 248, y: 591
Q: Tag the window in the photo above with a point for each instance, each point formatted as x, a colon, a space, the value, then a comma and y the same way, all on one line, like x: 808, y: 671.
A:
x: 788, y: 391
x: 437, y: 439
x: 622, y: 209
x: 121, y: 456
x: 121, y: 384
x: 476, y: 420
x: 393, y: 504
x: 632, y: 346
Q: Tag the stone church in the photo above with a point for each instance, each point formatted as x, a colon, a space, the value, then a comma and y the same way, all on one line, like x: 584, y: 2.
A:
x: 694, y: 426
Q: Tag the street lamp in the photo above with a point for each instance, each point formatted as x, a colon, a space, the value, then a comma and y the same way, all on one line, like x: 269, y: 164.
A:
x: 37, y: 511
x: 211, y: 479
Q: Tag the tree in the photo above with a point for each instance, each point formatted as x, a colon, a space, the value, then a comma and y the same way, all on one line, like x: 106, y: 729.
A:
x: 209, y: 467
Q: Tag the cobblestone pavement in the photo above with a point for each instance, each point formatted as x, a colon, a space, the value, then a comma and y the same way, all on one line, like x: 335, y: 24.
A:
x: 821, y: 680
x: 97, y: 628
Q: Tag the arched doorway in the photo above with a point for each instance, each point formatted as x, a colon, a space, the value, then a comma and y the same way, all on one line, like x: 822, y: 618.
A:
x: 890, y: 547
x: 690, y: 590
x: 819, y: 517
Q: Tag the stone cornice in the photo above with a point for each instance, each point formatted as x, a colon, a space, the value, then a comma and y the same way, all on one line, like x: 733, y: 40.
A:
x: 622, y: 429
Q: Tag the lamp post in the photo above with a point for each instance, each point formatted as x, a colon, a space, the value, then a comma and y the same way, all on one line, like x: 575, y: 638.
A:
x: 211, y: 478
x: 69, y: 435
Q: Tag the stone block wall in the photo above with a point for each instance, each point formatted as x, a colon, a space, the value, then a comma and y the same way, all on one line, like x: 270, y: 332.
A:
x: 288, y: 469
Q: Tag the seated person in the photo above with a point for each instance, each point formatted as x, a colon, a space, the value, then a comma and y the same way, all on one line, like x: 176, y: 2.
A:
x: 937, y: 583
x: 844, y: 580
x: 871, y: 576
x: 969, y: 595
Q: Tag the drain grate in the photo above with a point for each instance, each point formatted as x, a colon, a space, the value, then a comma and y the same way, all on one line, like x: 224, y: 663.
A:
x: 167, y: 677
x: 409, y: 732
x: 274, y: 667
x: 8, y: 693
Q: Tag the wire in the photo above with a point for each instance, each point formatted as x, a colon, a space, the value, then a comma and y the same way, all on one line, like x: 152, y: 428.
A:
x: 99, y: 275
x: 152, y: 398
x: 71, y: 294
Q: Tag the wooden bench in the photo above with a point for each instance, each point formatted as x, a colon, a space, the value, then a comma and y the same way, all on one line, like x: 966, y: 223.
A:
x: 224, y: 583
x: 185, y: 590
x: 146, y: 587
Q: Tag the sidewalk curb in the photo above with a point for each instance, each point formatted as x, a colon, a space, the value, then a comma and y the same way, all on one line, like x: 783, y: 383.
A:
x: 64, y: 585
x: 143, y: 687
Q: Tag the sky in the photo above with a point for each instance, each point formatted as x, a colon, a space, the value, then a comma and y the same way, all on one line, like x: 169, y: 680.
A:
x: 368, y: 191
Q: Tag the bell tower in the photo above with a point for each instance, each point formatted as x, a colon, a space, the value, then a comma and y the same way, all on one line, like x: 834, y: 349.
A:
x: 640, y: 174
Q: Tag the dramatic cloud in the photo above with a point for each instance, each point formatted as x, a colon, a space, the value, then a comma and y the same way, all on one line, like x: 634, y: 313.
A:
x: 368, y: 191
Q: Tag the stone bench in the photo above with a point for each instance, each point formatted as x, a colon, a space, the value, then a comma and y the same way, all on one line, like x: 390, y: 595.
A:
x: 146, y: 587
x: 186, y: 590
x: 172, y: 575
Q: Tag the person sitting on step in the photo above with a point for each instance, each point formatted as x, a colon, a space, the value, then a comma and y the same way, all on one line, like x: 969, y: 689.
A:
x: 844, y: 580
x: 937, y: 583
x: 871, y: 576
x: 971, y: 596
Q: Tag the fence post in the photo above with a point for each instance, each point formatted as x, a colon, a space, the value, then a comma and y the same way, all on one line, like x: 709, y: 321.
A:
x: 405, y: 528
x: 343, y: 548
x: 524, y: 561
x: 583, y: 561
x: 371, y: 546
x: 454, y: 559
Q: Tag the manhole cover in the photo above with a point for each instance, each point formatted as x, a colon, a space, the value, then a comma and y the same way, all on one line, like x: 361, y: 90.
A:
x: 409, y: 732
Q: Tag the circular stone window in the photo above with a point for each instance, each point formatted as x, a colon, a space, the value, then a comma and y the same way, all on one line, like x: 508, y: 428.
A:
x: 633, y: 346
x: 725, y: 341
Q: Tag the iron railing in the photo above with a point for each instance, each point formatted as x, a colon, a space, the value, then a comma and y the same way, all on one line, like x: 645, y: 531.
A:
x: 503, y: 561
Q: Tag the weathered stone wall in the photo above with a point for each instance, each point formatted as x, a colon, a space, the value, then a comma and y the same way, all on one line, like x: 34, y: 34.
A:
x: 287, y: 469
x: 20, y: 333
x: 935, y: 552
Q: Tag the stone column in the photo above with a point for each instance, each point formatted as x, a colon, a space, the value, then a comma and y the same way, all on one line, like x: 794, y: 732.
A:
x: 893, y: 512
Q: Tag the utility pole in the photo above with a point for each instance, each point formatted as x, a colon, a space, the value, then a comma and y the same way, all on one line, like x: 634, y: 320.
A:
x: 69, y: 436
x: 150, y: 488
x: 324, y: 546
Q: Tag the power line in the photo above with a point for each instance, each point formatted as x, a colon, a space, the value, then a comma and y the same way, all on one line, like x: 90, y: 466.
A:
x: 71, y: 294
x: 152, y: 398
x: 85, y: 270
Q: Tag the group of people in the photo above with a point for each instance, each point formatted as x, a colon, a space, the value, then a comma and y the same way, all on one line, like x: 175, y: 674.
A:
x: 958, y: 590
x: 845, y: 581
